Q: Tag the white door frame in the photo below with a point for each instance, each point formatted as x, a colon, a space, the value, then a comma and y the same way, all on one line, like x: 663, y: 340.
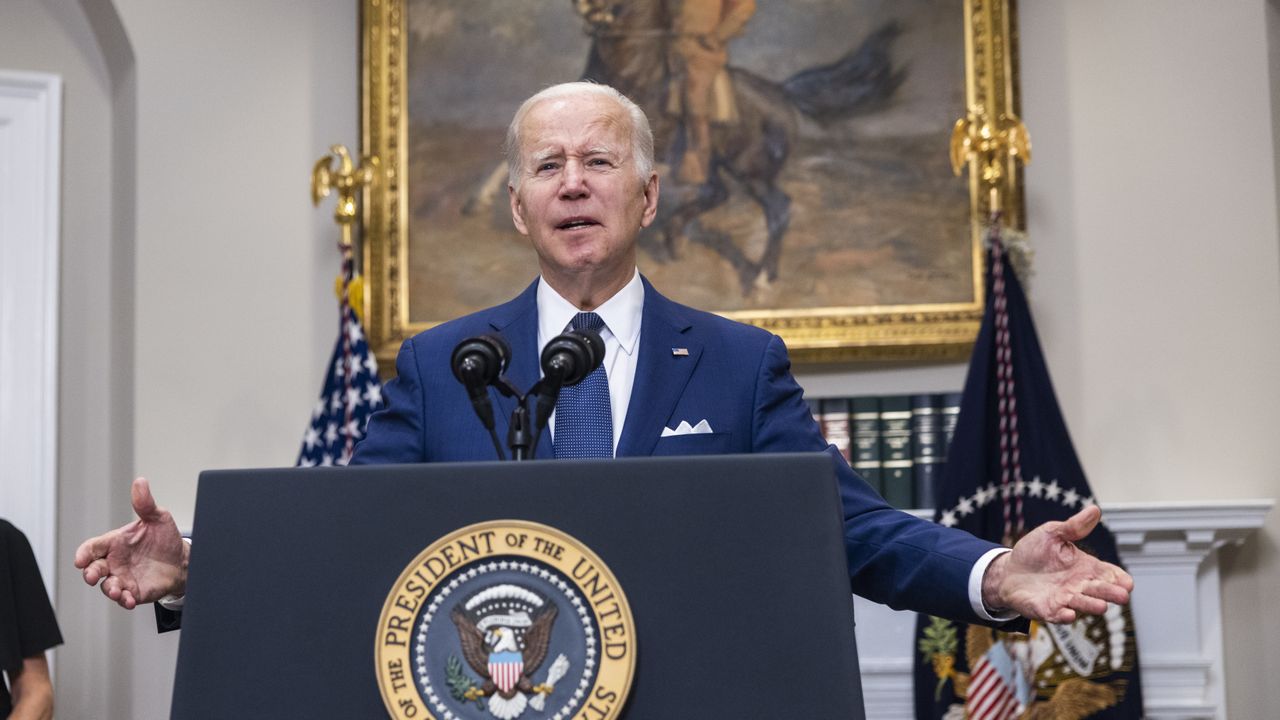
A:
x: 30, y: 142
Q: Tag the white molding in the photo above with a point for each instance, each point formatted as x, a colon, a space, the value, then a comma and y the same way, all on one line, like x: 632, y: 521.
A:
x: 1170, y: 548
x: 30, y: 165
x: 1200, y: 526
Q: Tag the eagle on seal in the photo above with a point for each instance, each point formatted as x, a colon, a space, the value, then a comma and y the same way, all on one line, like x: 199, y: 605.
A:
x: 495, y: 655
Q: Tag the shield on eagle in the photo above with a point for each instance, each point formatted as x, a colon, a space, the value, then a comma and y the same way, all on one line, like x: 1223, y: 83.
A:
x: 506, y: 668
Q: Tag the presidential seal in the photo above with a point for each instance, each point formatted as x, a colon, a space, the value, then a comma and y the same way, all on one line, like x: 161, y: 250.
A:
x: 505, y: 619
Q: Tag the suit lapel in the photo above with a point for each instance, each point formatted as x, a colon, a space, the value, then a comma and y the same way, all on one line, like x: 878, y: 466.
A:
x: 517, y: 322
x: 661, y: 375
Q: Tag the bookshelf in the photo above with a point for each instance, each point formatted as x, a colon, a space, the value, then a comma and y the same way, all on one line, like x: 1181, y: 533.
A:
x: 897, y: 443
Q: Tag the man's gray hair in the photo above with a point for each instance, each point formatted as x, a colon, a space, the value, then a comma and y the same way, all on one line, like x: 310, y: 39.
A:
x: 641, y: 134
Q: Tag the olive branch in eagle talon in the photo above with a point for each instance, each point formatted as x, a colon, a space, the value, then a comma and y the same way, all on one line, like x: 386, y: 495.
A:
x: 939, y: 646
x: 461, y: 687
x: 480, y: 648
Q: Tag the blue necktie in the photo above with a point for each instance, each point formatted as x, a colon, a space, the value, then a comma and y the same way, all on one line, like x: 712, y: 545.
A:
x: 584, y: 416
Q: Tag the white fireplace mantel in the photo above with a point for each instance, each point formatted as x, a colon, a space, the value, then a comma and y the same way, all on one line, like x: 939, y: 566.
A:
x: 1170, y: 548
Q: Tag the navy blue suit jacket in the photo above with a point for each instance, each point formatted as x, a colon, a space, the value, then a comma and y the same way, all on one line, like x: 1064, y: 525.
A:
x: 735, y: 376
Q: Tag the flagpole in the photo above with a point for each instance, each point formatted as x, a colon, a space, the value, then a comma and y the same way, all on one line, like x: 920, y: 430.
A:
x: 992, y: 145
x: 985, y: 143
x: 347, y: 180
x: 351, y: 391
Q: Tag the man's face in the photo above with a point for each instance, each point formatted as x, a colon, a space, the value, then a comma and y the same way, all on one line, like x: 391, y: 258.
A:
x: 580, y: 200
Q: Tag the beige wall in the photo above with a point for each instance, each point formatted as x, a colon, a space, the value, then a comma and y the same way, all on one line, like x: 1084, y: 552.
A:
x: 235, y: 268
x: 235, y: 314
x: 197, y: 311
x: 95, y: 432
x: 1153, y: 207
x: 192, y: 261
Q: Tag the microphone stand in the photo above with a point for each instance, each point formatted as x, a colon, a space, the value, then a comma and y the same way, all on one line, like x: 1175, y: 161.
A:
x: 480, y: 402
x: 548, y: 391
x: 518, y: 437
x: 521, y: 438
x: 522, y: 434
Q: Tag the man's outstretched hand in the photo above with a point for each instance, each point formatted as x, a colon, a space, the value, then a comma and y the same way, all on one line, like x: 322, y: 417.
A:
x: 140, y: 562
x: 1048, y: 578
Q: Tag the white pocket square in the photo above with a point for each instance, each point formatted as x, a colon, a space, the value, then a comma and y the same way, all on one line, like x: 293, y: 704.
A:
x: 684, y: 428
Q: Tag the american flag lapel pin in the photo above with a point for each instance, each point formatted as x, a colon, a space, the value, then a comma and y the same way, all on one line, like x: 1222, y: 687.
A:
x: 680, y: 352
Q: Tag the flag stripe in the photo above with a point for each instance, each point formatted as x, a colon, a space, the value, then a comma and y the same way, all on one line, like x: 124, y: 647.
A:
x: 990, y: 698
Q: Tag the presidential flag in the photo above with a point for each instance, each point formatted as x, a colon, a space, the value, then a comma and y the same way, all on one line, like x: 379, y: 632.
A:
x: 351, y: 389
x: 1011, y: 467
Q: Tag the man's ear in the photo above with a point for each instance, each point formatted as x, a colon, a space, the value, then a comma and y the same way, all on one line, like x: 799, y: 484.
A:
x: 517, y: 211
x: 650, y: 201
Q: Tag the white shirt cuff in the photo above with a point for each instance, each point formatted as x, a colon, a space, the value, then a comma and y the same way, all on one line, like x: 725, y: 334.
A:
x: 175, y: 602
x: 975, y: 587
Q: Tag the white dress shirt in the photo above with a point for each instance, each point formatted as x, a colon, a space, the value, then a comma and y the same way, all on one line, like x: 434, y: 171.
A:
x: 621, y: 335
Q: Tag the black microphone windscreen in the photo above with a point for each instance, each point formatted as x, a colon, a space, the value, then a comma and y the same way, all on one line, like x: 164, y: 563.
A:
x: 570, y: 357
x: 480, y: 359
x: 596, y: 345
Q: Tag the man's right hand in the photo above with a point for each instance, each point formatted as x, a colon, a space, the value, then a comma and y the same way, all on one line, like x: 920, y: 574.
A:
x: 140, y: 562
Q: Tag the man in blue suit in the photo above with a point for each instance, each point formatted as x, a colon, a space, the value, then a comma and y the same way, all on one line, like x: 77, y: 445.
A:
x: 679, y: 382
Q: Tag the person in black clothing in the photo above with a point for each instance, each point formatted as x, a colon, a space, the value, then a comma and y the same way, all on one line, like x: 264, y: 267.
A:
x: 27, y: 629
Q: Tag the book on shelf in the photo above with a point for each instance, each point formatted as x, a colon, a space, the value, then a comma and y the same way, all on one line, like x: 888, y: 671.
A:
x: 895, y: 450
x: 835, y: 424
x: 897, y: 443
x: 865, y: 421
x: 949, y: 407
x: 928, y: 448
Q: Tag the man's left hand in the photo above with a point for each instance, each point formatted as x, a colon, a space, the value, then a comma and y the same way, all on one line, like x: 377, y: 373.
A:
x: 1047, y: 578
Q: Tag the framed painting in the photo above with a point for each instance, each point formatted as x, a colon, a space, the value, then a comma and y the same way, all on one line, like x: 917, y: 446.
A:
x: 822, y: 205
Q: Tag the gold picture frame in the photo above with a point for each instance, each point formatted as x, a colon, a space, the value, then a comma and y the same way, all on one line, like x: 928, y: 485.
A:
x: 882, y: 331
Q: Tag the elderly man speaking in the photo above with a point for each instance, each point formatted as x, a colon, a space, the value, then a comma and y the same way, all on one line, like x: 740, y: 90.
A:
x: 582, y: 186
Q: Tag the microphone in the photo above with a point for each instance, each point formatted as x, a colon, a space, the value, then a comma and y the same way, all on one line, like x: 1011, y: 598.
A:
x: 570, y: 357
x: 477, y: 363
x: 567, y: 360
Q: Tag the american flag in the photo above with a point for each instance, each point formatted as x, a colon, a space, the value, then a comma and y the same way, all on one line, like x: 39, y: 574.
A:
x: 992, y: 687
x: 351, y: 394
x: 1012, y: 466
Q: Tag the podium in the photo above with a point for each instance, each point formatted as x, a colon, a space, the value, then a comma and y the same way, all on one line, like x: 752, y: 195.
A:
x: 733, y: 569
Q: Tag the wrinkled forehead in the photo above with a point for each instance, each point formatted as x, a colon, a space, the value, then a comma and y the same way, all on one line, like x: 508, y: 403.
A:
x: 575, y: 124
